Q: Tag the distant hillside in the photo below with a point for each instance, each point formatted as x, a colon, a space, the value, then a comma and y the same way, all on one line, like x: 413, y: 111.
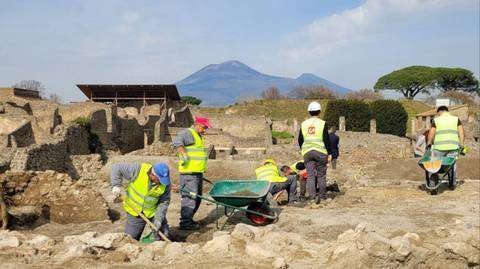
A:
x: 225, y: 83
x: 289, y: 109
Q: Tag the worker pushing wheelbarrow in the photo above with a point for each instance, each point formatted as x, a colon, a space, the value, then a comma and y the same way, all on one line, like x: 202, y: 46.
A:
x: 439, y: 170
x: 439, y: 161
x: 249, y: 196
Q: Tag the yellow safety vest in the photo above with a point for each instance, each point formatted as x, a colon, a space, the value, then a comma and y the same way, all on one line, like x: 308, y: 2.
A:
x: 312, y: 131
x: 269, y: 172
x: 294, y: 168
x: 139, y: 196
x: 197, y: 157
x: 446, y: 133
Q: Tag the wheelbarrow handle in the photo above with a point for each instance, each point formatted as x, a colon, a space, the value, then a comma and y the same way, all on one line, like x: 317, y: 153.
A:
x: 196, y: 195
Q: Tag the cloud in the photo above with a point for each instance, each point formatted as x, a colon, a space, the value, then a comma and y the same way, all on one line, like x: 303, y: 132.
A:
x: 360, y: 24
x: 128, y: 20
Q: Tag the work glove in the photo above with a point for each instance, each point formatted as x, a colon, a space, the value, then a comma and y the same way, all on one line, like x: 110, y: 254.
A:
x: 116, y: 192
x: 183, y: 159
x: 428, y: 147
x: 463, y: 150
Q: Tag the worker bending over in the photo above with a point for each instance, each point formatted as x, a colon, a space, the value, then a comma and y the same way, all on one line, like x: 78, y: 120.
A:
x: 315, y: 148
x: 297, y: 169
x: 148, y: 193
x: 192, y: 164
x: 269, y: 172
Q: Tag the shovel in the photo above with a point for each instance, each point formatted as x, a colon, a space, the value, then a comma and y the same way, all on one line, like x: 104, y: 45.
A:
x: 149, y: 223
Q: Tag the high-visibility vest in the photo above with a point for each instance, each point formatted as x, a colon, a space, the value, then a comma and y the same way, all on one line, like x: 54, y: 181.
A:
x: 197, y: 157
x: 140, y: 197
x: 312, y: 131
x: 446, y: 132
x: 294, y: 168
x: 269, y: 172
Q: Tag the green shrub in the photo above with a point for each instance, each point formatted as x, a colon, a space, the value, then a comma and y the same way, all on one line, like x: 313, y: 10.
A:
x: 357, y: 114
x: 83, y: 121
x: 391, y: 117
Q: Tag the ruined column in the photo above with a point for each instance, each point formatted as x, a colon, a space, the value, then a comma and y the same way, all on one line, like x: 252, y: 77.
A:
x: 373, y: 126
x: 414, y: 127
x: 268, y: 133
x: 341, y: 123
x: 295, y: 130
x: 145, y: 138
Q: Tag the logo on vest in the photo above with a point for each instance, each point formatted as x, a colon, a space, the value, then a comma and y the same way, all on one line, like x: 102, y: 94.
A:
x: 311, y: 130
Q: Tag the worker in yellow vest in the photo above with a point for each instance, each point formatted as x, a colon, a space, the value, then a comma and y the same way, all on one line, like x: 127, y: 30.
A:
x: 314, y: 142
x: 447, y: 135
x: 148, y: 192
x: 190, y: 147
x: 297, y: 169
x: 269, y: 172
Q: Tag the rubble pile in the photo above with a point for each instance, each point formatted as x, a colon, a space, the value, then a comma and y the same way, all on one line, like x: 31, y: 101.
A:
x: 264, y: 247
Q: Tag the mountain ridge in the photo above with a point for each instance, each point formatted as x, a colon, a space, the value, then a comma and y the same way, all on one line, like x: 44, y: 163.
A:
x: 225, y: 83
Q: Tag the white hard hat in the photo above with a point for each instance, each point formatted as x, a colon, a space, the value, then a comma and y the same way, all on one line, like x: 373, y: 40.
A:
x: 314, y: 106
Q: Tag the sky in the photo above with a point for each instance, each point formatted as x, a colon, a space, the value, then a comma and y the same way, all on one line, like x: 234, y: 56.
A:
x: 349, y: 42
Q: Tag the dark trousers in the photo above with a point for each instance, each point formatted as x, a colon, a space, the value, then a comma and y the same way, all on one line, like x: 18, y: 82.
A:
x: 134, y: 226
x: 290, y: 186
x: 316, y: 164
x: 303, y: 187
x: 190, y: 205
x: 334, y: 163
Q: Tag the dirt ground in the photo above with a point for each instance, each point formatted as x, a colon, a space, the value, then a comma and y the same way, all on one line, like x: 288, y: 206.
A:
x: 395, y: 206
x: 382, y: 218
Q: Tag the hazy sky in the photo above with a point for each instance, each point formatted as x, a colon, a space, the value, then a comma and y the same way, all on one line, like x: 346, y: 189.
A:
x: 349, y: 42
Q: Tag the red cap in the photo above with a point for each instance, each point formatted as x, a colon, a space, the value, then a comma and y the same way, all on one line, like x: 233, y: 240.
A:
x: 204, y: 121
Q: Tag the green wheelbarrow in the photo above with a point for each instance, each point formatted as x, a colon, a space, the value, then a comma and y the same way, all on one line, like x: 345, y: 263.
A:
x: 438, y: 171
x: 249, y: 196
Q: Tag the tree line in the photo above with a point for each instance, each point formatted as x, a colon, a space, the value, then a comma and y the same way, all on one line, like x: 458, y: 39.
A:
x: 410, y: 81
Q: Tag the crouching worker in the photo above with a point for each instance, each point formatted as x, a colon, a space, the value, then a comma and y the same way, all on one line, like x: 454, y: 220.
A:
x: 298, y: 171
x: 269, y: 172
x: 148, y: 193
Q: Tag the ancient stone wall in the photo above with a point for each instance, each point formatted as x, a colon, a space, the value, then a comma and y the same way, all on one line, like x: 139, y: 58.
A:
x: 49, y: 156
x: 23, y: 136
x: 128, y: 134
x: 181, y: 117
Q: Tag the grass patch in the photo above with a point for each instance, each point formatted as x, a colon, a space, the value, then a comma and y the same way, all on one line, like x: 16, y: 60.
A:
x: 274, y: 109
x: 413, y: 108
x: 281, y: 135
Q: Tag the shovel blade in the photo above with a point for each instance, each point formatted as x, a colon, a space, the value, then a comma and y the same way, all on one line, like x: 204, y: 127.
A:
x: 432, y: 166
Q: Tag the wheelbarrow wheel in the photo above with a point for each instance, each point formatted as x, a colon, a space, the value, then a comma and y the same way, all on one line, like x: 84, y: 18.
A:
x: 260, y: 208
x: 433, y: 181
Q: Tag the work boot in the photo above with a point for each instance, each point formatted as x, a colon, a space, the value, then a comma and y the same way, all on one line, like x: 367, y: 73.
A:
x: 190, y: 226
x: 333, y: 187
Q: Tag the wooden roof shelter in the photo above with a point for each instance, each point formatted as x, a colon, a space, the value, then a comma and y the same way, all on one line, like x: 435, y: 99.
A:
x: 156, y: 93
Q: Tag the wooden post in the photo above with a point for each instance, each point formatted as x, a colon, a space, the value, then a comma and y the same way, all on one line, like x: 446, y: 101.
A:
x: 341, y: 123
x: 144, y: 101
x: 428, y: 122
x: 373, y: 126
